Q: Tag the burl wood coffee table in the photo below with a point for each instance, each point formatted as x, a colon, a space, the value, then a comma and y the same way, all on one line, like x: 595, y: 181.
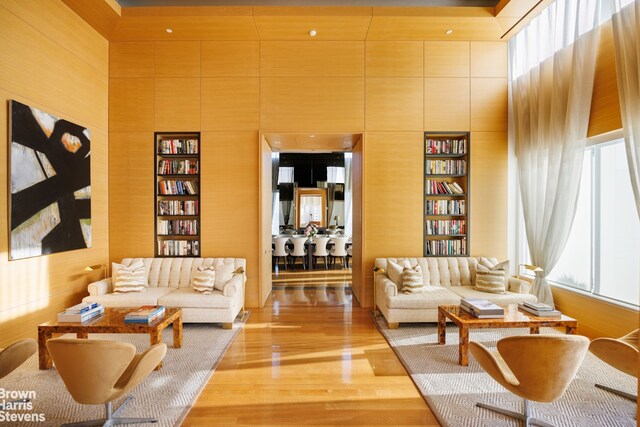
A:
x: 513, y: 318
x: 112, y: 321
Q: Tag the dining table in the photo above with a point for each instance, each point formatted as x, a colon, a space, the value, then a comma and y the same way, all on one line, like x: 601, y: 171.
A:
x: 310, y: 245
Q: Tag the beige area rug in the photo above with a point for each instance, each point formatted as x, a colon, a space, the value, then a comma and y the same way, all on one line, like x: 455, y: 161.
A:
x: 451, y: 390
x: 166, y: 394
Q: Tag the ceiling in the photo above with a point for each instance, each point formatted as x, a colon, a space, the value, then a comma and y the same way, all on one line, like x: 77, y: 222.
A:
x: 312, y: 142
x: 365, y: 3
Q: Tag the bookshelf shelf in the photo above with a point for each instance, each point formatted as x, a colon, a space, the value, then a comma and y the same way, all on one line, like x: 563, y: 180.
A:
x: 446, y: 193
x: 177, y: 224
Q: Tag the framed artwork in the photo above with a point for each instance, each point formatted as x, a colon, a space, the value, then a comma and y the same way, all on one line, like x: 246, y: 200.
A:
x: 50, y: 183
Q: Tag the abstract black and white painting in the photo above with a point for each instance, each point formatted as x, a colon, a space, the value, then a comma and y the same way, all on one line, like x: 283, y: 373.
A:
x: 50, y: 183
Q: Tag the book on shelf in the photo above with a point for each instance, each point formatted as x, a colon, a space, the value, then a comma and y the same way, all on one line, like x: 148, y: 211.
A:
x: 482, y: 306
x: 75, y: 316
x: 145, y: 314
x: 539, y: 313
x: 481, y: 316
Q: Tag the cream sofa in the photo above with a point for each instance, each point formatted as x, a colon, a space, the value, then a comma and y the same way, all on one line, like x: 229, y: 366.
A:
x: 169, y: 282
x: 448, y: 280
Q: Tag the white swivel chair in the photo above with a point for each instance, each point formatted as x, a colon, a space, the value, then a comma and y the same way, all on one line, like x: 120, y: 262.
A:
x: 299, y: 250
x: 321, y: 249
x: 281, y: 250
x: 339, y: 250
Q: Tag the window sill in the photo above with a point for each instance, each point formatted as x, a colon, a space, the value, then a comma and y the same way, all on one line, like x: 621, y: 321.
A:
x: 603, y: 299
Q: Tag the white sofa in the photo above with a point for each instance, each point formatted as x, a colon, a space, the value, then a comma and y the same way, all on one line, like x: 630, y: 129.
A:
x: 448, y: 279
x: 169, y: 281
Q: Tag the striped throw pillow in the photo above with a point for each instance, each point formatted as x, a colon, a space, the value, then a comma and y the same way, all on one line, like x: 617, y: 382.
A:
x: 492, y: 280
x: 412, y: 282
x: 203, y: 279
x: 129, y: 279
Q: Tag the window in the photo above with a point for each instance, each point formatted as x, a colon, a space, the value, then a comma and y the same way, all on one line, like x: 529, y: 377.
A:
x: 603, y: 250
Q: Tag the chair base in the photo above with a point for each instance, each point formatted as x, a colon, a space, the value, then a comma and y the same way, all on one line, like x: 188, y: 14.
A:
x: 619, y: 392
x: 526, y: 417
x: 111, y: 419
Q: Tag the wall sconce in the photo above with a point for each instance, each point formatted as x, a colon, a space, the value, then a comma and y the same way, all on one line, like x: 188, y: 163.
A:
x: 532, y: 268
x: 98, y: 267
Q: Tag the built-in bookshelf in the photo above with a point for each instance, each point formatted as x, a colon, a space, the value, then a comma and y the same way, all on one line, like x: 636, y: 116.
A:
x: 446, y: 193
x: 177, y: 194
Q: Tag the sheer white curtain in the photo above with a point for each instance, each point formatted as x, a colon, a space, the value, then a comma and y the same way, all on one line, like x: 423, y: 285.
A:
x: 335, y: 175
x: 626, y: 37
x: 348, y: 194
x: 552, y: 63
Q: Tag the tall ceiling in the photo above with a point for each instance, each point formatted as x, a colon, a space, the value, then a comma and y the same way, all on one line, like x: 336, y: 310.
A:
x: 369, y: 3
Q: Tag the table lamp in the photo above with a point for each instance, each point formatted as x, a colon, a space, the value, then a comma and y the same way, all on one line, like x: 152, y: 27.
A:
x: 97, y: 267
x: 532, y: 268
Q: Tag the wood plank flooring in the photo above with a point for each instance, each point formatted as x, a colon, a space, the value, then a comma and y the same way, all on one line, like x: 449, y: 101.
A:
x: 311, y: 356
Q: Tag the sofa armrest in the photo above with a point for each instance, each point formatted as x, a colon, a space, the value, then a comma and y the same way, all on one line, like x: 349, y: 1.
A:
x: 101, y: 287
x: 385, y: 283
x: 234, y: 285
x: 519, y: 286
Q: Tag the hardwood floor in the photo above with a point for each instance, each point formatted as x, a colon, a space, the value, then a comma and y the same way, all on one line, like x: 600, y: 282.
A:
x: 311, y: 356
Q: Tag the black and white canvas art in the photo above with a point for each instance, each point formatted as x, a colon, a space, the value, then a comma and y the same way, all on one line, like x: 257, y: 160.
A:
x: 50, y: 183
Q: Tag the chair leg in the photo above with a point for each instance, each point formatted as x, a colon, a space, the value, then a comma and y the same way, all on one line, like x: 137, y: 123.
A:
x: 618, y: 392
x: 526, y: 417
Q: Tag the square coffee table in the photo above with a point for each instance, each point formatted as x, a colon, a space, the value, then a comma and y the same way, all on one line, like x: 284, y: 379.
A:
x: 112, y: 321
x: 513, y: 318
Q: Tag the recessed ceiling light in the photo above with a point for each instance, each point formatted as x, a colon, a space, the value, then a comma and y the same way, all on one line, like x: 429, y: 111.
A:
x: 169, y: 30
x: 312, y: 136
x: 276, y: 142
x: 448, y: 31
x: 313, y: 33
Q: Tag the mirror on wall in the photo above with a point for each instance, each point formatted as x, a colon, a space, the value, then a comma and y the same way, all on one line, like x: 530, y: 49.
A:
x: 311, y: 207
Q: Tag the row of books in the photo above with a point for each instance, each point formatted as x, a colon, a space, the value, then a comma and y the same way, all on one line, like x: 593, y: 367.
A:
x: 481, y: 308
x: 445, y: 207
x: 178, y: 207
x: 178, y: 146
x: 442, y: 187
x: 178, y: 247
x: 438, y: 227
x: 445, y: 167
x: 145, y: 315
x: 447, y: 247
x: 446, y: 146
x: 177, y: 167
x: 176, y: 187
x: 81, y: 312
x: 539, y: 309
x: 183, y: 227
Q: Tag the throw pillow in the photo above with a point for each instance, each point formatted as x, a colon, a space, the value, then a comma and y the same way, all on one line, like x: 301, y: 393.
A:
x: 203, y: 280
x: 394, y: 271
x: 224, y: 273
x: 129, y: 279
x: 412, y: 282
x: 493, y: 280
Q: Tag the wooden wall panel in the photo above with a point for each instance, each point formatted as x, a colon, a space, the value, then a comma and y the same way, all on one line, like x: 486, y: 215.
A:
x: 361, y: 291
x: 131, y: 104
x: 394, y: 104
x: 489, y: 59
x: 131, y: 59
x: 229, y: 201
x: 489, y: 197
x: 327, y: 27
x: 311, y: 59
x: 177, y: 104
x: 446, y: 104
x: 446, y: 59
x: 605, y: 103
x: 230, y: 59
x: 131, y: 194
x: 153, y: 28
x: 177, y: 59
x: 394, y: 59
x: 321, y: 104
x: 63, y: 71
x: 489, y: 110
x: 230, y: 104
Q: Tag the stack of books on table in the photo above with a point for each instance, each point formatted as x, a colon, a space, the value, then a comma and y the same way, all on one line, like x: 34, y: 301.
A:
x: 81, y: 312
x: 145, y: 315
x: 481, y: 308
x: 539, y: 309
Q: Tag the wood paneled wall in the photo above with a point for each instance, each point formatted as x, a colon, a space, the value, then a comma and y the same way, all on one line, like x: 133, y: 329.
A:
x: 52, y: 60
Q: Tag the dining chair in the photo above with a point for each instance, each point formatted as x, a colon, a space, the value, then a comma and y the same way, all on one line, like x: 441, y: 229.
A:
x: 321, y: 249
x: 280, y: 250
x: 339, y: 250
x: 299, y: 250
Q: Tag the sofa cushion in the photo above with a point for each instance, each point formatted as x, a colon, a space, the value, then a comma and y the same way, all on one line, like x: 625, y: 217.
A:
x: 130, y: 278
x: 394, y: 271
x: 492, y: 279
x: 501, y: 299
x: 187, y: 297
x: 412, y: 282
x: 224, y: 273
x: 133, y: 299
x: 203, y: 279
x: 432, y: 297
